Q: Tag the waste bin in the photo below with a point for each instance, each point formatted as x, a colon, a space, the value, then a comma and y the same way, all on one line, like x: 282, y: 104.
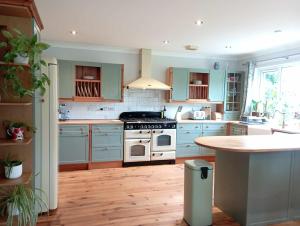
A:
x: 198, y: 182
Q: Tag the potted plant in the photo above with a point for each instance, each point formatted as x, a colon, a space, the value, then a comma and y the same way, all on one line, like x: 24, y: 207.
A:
x: 24, y: 50
x: 21, y: 202
x: 13, y: 168
x: 15, y: 130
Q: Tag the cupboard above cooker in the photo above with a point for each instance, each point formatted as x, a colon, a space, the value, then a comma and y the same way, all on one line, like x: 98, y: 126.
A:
x: 90, y: 82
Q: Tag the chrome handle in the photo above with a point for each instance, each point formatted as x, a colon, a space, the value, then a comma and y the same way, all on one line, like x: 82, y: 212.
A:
x: 141, y: 131
x: 149, y: 132
x: 162, y: 131
x: 153, y: 131
x: 161, y: 154
x: 188, y: 146
x: 187, y: 132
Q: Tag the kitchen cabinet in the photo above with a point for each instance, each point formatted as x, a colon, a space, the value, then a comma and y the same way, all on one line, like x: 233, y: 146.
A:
x: 194, y: 84
x: 238, y: 130
x: 90, y: 81
x: 186, y: 133
x: 233, y: 95
x: 107, y: 143
x: 217, y: 85
x: 112, y: 81
x: 73, y: 144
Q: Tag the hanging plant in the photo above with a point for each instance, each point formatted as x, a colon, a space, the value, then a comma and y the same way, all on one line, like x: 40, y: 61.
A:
x: 24, y: 50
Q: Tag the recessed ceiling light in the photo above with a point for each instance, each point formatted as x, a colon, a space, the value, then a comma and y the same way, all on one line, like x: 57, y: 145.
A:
x: 277, y: 31
x: 166, y: 42
x: 199, y: 22
x: 228, y: 47
x: 73, y: 32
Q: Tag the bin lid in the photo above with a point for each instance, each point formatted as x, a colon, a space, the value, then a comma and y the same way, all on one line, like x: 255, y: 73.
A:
x: 198, y: 164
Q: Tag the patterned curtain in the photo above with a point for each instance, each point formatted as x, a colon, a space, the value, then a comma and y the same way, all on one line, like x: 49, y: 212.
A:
x: 251, y: 82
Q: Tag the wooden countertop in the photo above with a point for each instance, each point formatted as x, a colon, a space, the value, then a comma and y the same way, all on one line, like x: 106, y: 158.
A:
x: 90, y: 121
x: 254, y: 143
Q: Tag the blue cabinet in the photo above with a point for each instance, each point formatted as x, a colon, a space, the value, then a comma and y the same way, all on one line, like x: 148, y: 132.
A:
x: 107, y: 143
x: 73, y: 144
x: 66, y: 79
x: 180, y: 84
x: 217, y: 85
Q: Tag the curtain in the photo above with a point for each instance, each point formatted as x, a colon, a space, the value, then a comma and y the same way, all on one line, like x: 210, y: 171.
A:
x: 251, y: 84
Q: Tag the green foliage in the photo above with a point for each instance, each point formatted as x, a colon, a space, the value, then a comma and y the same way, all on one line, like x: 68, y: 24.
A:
x: 24, y: 200
x: 25, y: 46
x: 9, y: 124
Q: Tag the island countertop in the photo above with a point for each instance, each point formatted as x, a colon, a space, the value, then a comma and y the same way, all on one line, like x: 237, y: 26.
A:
x: 254, y: 143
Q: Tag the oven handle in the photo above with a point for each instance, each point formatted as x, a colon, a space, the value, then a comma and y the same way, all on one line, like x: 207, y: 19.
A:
x: 148, y: 141
x: 159, y: 132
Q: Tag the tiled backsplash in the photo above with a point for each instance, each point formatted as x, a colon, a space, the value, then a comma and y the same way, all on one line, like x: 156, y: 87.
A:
x: 134, y: 100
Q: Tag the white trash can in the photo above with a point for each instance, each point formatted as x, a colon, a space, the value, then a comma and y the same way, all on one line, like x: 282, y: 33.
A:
x: 198, y: 183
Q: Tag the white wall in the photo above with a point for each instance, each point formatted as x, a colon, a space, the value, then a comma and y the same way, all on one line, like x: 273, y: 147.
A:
x: 134, y: 100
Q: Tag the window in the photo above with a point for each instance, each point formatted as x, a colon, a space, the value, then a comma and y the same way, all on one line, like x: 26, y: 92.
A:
x: 279, y: 94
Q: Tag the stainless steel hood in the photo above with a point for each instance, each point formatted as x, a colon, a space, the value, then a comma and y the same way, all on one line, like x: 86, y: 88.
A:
x: 145, y: 81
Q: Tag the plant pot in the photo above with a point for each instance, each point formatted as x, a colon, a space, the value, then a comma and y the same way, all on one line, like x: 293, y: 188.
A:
x: 12, y: 211
x: 21, y: 60
x: 15, y: 133
x: 13, y: 172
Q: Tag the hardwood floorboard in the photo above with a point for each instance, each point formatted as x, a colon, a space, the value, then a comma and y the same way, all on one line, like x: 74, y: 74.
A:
x: 134, y: 196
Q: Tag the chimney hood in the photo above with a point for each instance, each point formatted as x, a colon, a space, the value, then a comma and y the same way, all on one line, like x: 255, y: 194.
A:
x: 145, y: 81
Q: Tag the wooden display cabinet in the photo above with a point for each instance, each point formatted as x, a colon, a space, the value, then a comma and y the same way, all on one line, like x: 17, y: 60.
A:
x: 198, y: 86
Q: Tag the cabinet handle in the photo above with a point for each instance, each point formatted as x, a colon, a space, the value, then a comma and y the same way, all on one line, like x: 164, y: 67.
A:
x: 188, y: 146
x: 196, y: 127
x: 187, y: 132
x: 206, y: 127
x: 180, y: 127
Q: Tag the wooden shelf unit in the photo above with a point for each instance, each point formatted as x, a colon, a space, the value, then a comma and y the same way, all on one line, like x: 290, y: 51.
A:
x: 87, y: 83
x: 10, y: 142
x: 198, y: 91
x: 13, y: 64
x: 24, y: 179
x: 15, y: 104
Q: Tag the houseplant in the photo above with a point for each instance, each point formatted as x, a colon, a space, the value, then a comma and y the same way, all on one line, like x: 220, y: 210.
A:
x: 13, y: 168
x: 15, y: 130
x: 27, y: 50
x: 21, y: 202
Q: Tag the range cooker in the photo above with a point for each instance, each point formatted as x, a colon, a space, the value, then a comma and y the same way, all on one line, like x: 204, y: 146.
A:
x: 148, y: 138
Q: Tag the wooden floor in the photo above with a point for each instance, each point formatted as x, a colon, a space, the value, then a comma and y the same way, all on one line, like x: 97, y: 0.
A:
x: 150, y: 195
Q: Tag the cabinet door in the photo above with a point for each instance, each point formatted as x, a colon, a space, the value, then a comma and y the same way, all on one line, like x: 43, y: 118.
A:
x: 180, y: 84
x: 111, y: 81
x: 216, y: 85
x: 66, y: 79
x: 73, y: 148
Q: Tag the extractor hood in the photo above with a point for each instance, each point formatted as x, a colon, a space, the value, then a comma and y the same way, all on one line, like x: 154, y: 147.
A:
x: 145, y: 81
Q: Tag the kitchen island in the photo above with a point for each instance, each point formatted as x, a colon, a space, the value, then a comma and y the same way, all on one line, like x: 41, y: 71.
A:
x: 257, y: 178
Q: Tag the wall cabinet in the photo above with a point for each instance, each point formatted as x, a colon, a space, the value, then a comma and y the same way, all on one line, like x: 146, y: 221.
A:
x: 195, y: 84
x: 73, y: 144
x: 88, y: 81
x: 107, y: 143
x: 186, y: 133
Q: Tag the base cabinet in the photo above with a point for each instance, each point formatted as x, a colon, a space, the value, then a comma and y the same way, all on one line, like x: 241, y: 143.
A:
x: 73, y: 144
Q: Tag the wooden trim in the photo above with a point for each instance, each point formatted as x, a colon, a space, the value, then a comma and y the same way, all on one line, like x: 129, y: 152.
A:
x: 90, y: 146
x: 22, y: 8
x: 62, y: 100
x: 206, y: 158
x: 10, y: 142
x: 103, y: 165
x: 73, y: 167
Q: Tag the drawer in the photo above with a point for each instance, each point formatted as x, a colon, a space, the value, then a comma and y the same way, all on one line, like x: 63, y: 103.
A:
x: 107, y: 128
x: 107, y: 139
x: 214, y: 126
x: 192, y: 126
x: 82, y: 129
x: 187, y: 150
x: 214, y: 133
x: 186, y: 138
x: 107, y: 153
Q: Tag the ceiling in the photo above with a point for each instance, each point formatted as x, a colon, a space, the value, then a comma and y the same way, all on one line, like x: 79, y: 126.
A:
x: 246, y: 26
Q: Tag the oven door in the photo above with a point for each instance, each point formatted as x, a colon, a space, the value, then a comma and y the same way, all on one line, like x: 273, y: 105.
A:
x: 164, y: 140
x: 136, y: 150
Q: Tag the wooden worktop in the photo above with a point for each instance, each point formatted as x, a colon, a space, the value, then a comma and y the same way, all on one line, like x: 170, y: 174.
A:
x: 89, y: 121
x: 254, y: 143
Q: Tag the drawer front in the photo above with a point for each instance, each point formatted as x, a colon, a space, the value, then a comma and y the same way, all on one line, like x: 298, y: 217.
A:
x: 187, y: 137
x: 214, y: 126
x: 107, y: 153
x: 73, y: 149
x: 107, y: 128
x: 73, y: 129
x: 187, y: 150
x: 107, y: 139
x: 191, y: 126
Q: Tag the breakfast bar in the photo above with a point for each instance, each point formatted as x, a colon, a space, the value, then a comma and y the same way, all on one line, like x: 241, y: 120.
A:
x: 257, y: 178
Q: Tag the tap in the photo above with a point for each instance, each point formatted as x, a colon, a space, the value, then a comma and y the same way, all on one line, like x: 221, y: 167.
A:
x: 283, y: 117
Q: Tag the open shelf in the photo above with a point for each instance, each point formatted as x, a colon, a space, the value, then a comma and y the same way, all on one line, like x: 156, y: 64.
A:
x: 198, y: 91
x: 9, y: 142
x: 15, y: 104
x: 198, y: 85
x: 24, y: 179
x: 13, y: 64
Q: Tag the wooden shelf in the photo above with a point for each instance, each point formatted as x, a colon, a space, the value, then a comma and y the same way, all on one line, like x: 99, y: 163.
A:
x: 15, y: 104
x: 198, y: 85
x: 13, y: 64
x: 87, y: 80
x: 24, y: 179
x: 9, y: 142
